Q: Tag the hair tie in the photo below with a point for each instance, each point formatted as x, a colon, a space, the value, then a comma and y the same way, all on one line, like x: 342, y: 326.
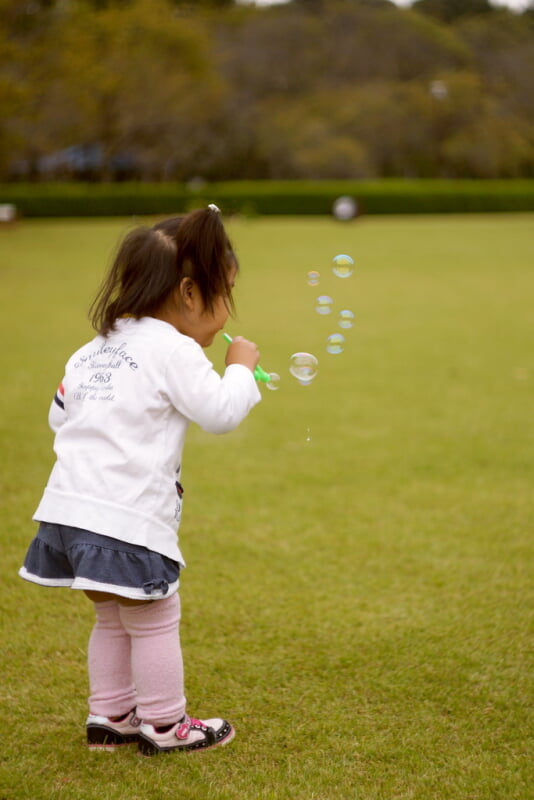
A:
x: 213, y: 207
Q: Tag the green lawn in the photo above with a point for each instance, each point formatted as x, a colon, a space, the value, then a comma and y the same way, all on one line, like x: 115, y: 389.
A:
x: 359, y: 595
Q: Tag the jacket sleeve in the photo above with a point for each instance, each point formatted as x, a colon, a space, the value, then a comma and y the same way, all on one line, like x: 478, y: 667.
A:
x: 56, y: 415
x: 218, y: 404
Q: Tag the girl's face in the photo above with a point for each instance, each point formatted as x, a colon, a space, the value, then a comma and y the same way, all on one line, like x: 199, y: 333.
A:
x: 187, y: 313
x: 202, y: 324
x: 211, y: 322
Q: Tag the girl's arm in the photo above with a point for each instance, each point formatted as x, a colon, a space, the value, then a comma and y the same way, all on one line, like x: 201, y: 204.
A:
x: 56, y: 415
x: 198, y: 392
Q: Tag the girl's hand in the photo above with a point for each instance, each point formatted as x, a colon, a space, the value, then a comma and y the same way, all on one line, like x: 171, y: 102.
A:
x: 241, y: 351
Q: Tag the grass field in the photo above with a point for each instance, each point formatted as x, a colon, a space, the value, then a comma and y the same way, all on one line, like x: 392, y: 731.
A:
x: 359, y: 594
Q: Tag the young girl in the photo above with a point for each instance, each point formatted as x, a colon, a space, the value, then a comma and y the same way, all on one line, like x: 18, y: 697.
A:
x: 109, y: 514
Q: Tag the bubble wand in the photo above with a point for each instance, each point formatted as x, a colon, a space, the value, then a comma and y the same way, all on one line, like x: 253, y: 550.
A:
x: 259, y: 373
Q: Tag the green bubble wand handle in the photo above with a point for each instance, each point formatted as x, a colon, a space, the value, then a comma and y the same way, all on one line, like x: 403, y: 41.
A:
x: 259, y: 373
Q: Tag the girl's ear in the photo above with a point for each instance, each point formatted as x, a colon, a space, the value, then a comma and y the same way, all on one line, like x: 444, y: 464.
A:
x: 187, y: 292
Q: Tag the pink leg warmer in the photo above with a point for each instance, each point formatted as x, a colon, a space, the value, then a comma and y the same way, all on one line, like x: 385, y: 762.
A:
x: 110, y: 676
x: 156, y: 658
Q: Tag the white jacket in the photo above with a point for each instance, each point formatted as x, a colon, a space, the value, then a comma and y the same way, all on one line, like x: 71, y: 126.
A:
x: 120, y: 416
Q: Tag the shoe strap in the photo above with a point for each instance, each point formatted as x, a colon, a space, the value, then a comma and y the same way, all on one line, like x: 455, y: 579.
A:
x: 182, y: 732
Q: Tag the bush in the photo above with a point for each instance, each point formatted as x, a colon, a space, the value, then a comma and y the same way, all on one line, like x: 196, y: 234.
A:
x: 93, y: 200
x: 269, y: 197
x: 373, y: 197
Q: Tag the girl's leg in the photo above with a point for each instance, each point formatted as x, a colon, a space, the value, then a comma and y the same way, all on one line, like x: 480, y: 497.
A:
x: 156, y: 659
x: 109, y: 659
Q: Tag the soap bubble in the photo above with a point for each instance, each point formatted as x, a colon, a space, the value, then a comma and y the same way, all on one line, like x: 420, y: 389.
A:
x: 313, y: 277
x: 345, y: 207
x: 274, y: 381
x: 346, y: 318
x: 342, y: 266
x: 303, y: 367
x: 334, y: 343
x: 324, y: 304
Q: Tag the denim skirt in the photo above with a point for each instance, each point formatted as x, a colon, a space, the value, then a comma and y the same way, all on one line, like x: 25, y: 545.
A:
x: 63, y: 556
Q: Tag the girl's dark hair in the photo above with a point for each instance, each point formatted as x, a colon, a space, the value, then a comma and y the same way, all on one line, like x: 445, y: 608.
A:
x: 151, y: 262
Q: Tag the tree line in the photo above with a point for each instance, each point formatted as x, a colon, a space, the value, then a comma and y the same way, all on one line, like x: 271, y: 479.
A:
x: 215, y: 90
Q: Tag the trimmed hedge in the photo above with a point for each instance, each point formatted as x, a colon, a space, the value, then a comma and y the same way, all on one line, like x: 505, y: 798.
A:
x: 389, y: 196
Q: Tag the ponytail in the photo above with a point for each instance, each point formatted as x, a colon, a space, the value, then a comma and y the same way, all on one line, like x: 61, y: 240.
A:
x: 205, y: 254
x: 151, y: 262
